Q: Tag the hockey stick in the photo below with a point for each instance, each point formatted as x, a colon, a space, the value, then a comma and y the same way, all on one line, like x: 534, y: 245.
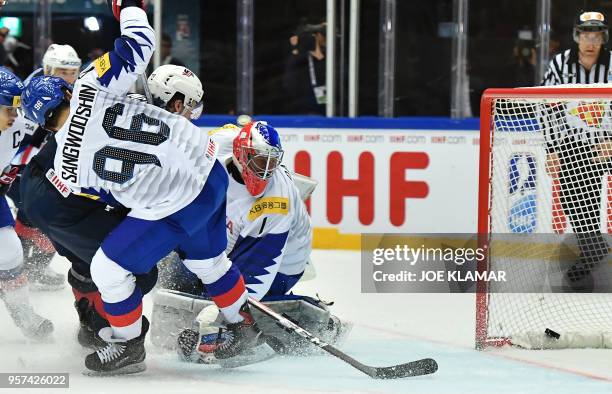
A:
x: 424, y: 366
x: 145, y: 87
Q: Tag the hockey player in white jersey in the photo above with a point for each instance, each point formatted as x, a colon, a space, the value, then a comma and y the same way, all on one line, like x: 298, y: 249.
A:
x: 159, y: 165
x: 270, y: 236
x: 58, y: 61
x: 13, y: 282
x: 268, y: 227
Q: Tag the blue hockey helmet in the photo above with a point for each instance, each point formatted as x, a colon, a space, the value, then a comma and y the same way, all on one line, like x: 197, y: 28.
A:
x: 10, y: 88
x: 42, y: 95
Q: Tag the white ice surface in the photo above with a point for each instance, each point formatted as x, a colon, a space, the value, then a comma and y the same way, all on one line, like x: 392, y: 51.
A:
x: 389, y: 329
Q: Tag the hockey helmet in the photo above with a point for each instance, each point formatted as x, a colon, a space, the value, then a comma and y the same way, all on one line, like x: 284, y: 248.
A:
x: 590, y: 21
x: 167, y: 80
x: 258, y: 151
x: 11, y: 88
x: 42, y: 95
x: 60, y: 56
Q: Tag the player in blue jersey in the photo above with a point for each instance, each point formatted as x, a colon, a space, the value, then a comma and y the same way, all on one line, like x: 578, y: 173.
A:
x: 60, y: 61
x: 13, y: 282
x: 161, y: 167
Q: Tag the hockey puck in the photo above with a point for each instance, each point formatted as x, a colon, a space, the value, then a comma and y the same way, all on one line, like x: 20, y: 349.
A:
x: 243, y: 120
x: 551, y: 334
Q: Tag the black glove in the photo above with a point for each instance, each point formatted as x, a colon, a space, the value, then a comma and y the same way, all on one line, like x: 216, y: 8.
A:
x: 7, y: 177
x: 40, y: 137
x: 117, y: 5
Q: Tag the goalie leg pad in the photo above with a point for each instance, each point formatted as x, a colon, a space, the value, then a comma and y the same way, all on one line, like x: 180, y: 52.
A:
x: 174, y: 312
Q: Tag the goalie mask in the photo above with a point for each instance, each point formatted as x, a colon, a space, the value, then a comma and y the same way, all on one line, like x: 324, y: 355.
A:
x: 258, y: 151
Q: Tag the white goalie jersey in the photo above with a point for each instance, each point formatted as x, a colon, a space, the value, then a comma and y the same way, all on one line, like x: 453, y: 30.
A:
x: 269, y: 234
x: 145, y: 158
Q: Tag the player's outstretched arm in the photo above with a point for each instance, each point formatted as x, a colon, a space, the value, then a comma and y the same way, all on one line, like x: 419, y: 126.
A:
x: 118, y: 69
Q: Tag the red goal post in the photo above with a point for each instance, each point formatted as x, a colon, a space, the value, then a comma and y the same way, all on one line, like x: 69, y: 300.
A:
x: 516, y: 319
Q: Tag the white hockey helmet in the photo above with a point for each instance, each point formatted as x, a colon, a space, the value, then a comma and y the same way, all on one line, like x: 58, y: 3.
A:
x: 167, y: 80
x: 60, y: 56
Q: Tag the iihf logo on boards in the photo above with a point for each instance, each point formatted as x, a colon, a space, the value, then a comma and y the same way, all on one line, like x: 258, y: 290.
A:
x: 522, y: 176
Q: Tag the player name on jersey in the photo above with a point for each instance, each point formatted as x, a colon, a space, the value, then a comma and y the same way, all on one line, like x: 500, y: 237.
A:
x: 74, y: 139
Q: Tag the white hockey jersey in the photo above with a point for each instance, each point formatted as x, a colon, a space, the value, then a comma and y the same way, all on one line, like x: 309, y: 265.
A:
x: 151, y: 161
x: 269, y: 234
x: 11, y: 138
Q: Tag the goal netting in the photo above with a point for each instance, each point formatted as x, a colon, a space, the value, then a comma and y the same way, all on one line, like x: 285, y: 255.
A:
x: 544, y: 213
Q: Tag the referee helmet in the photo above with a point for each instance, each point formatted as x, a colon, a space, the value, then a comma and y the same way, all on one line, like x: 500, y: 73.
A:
x: 590, y: 21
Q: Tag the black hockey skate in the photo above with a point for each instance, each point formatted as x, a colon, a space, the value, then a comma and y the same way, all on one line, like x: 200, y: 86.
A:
x: 119, y: 358
x: 579, y: 278
x: 90, y: 323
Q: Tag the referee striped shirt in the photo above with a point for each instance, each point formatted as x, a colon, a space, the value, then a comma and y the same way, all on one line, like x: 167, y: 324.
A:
x: 565, y: 68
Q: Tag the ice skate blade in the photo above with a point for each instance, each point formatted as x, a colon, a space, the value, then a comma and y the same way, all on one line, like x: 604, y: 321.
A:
x: 127, y: 370
x: 255, y: 355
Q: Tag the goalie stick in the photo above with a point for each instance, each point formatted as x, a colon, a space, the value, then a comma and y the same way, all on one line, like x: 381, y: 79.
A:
x: 424, y: 366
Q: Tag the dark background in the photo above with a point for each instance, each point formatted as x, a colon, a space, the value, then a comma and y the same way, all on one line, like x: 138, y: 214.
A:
x: 423, y: 52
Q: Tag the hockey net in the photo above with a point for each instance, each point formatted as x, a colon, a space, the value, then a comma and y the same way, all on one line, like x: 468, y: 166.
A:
x: 543, y: 154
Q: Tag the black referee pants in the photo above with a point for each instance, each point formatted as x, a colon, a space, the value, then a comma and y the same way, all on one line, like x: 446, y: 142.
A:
x: 581, y: 184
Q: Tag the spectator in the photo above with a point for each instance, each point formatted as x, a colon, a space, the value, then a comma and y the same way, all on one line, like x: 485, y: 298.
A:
x: 525, y: 59
x: 166, y: 52
x: 3, y: 55
x: 304, y: 79
x: 11, y: 45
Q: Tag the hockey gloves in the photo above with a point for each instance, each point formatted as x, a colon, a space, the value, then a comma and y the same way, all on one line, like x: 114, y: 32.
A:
x: 117, y: 5
x: 7, y: 177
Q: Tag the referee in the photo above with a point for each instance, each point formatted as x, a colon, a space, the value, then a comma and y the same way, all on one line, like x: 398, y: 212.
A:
x: 577, y: 156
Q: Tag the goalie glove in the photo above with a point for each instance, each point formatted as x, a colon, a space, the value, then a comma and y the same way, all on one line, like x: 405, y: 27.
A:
x: 117, y: 5
x: 7, y: 177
